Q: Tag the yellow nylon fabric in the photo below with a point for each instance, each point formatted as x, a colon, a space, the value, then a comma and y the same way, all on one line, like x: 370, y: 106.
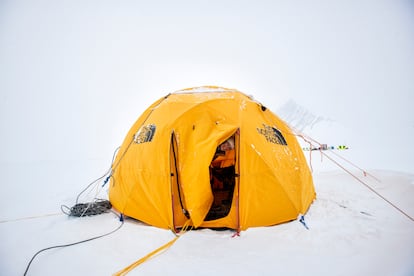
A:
x: 152, y: 181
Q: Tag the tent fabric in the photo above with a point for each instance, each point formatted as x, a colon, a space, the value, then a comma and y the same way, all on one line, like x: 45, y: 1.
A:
x: 162, y: 172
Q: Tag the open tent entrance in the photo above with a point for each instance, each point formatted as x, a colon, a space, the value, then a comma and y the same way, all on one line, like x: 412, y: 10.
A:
x: 222, y: 179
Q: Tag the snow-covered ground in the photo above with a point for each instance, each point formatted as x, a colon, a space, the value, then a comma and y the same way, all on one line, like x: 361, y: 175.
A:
x: 352, y: 231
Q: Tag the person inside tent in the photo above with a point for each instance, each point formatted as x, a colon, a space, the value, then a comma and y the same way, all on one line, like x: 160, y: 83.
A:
x: 223, y: 164
x: 222, y: 179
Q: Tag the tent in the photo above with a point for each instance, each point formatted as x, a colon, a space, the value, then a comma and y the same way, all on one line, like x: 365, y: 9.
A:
x: 168, y: 169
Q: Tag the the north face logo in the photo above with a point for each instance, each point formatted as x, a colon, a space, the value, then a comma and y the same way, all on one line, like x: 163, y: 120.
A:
x: 272, y: 135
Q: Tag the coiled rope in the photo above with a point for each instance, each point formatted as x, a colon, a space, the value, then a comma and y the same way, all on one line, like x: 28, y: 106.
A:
x: 97, y: 207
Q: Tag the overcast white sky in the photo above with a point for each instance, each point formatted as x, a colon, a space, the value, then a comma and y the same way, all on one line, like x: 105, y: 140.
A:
x: 74, y: 75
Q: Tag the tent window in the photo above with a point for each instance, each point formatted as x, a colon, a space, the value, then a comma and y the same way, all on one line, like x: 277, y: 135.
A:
x: 144, y: 134
x: 222, y: 180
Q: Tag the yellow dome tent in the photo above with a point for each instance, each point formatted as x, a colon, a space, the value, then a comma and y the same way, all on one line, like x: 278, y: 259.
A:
x: 168, y: 169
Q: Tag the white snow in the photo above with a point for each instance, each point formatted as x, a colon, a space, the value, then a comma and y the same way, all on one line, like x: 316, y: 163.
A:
x: 75, y: 75
x: 351, y: 232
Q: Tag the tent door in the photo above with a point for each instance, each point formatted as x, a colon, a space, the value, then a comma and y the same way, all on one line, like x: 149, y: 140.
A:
x: 223, y: 179
x: 179, y: 210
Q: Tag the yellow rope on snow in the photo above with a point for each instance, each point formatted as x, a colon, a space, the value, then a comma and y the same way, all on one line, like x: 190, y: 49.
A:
x: 127, y: 269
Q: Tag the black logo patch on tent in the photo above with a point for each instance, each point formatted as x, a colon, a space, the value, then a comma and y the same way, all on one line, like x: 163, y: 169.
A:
x: 144, y: 134
x: 272, y: 135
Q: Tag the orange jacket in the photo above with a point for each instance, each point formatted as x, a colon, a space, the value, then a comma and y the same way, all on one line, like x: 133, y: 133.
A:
x: 223, y: 161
